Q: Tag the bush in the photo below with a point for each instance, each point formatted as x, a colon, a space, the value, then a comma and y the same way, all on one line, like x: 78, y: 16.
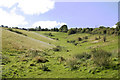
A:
x: 5, y: 60
x: 84, y: 41
x: 57, y: 48
x: 72, y: 63
x: 96, y: 38
x: 57, y: 38
x: 60, y: 59
x: 75, y: 44
x: 33, y: 52
x: 71, y: 41
x: 40, y: 59
x: 104, y: 39
x: 83, y: 55
x: 99, y: 37
x: 79, y: 39
x: 32, y: 64
x: 9, y: 29
x: 18, y: 32
x: 44, y: 68
x: 86, y: 37
x: 101, y: 57
x: 50, y: 34
x: 72, y: 31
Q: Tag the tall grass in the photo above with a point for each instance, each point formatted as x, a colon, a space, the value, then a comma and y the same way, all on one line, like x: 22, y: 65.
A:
x: 101, y: 57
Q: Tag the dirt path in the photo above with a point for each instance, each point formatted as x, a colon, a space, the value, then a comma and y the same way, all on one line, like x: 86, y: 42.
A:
x: 43, y: 36
x: 45, y: 44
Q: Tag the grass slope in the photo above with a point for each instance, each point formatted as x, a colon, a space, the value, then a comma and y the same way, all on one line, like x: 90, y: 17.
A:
x: 37, y: 36
x: 11, y: 40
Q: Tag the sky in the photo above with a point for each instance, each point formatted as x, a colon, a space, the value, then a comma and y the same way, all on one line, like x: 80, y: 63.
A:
x: 52, y: 13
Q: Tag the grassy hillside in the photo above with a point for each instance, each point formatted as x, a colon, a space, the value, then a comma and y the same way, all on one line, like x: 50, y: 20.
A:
x: 36, y: 36
x: 71, y: 58
x: 12, y: 40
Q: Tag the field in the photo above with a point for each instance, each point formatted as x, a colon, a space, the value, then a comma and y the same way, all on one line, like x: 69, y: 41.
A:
x: 48, y: 54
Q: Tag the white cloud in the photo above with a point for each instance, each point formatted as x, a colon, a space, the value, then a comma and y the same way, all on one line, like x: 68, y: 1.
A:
x: 114, y: 26
x: 48, y: 24
x: 7, y: 3
x: 35, y: 6
x: 11, y: 18
x: 29, y: 6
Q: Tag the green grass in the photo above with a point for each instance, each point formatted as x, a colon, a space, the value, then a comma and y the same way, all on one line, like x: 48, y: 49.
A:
x: 11, y: 40
x: 17, y: 61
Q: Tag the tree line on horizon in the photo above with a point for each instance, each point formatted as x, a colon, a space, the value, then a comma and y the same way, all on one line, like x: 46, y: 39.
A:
x: 64, y: 28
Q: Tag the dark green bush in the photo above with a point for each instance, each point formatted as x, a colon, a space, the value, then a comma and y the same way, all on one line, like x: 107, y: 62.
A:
x: 84, y: 41
x: 57, y: 48
x: 99, y: 37
x: 9, y: 29
x: 44, y: 67
x: 72, y: 31
x: 18, y: 32
x: 60, y: 59
x: 75, y: 44
x: 96, y: 38
x: 50, y: 34
x: 79, y: 39
x: 40, y: 59
x: 70, y: 41
x: 32, y: 64
x: 67, y: 41
x: 5, y: 60
x: 104, y: 39
x: 101, y: 57
x: 83, y: 55
x: 86, y: 37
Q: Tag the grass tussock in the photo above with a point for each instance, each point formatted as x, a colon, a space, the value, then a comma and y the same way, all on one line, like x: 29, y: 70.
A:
x: 72, y: 63
x: 84, y: 55
x: 40, y: 59
x: 101, y: 57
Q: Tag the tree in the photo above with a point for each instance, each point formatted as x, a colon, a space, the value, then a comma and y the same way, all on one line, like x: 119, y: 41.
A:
x: 2, y: 25
x: 79, y: 30
x: 63, y: 28
x: 39, y: 28
x: 72, y: 31
x: 56, y: 29
x: 118, y: 26
x: 101, y: 27
x: 6, y: 26
x: 83, y: 30
x: 104, y: 31
x: 46, y: 29
x: 32, y: 29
